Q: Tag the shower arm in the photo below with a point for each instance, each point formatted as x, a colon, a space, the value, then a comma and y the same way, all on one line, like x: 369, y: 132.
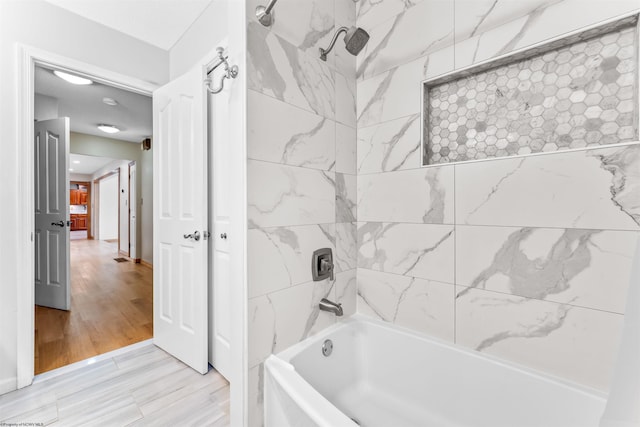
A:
x: 323, y: 52
x: 263, y: 14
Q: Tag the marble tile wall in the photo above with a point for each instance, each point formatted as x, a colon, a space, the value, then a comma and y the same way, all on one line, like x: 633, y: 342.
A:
x: 301, y: 176
x: 523, y: 258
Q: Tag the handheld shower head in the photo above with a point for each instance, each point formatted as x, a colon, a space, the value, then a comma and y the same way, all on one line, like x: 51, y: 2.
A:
x: 355, y: 40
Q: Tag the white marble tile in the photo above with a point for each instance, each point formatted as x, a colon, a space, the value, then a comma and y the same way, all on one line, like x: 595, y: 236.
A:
x: 390, y: 146
x: 346, y: 255
x: 285, y: 195
x: 282, y: 133
x: 281, y: 319
x: 546, y: 21
x: 425, y: 251
x: 280, y: 257
x: 345, y: 100
x: 279, y: 69
x: 474, y: 17
x: 418, y: 196
x: 575, y: 343
x: 345, y: 292
x: 588, y: 268
x: 346, y: 195
x: 370, y: 13
x: 597, y: 189
x: 422, y: 305
x: 396, y: 93
x: 425, y: 28
x: 345, y: 149
x: 308, y: 24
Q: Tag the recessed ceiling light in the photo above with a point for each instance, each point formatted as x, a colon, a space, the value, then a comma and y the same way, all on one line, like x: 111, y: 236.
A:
x: 70, y: 170
x: 108, y: 128
x: 76, y: 161
x: 76, y: 80
x: 110, y: 101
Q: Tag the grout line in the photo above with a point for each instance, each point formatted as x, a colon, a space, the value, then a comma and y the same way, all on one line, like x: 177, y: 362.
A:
x: 454, y: 224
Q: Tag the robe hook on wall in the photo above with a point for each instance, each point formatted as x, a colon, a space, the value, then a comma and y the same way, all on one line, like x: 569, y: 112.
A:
x: 230, y: 72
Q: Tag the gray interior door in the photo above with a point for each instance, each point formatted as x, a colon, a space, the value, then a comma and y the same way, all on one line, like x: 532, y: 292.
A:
x: 52, y: 269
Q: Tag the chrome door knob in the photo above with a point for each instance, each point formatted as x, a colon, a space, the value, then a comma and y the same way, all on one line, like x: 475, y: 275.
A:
x: 223, y: 236
x: 195, y: 236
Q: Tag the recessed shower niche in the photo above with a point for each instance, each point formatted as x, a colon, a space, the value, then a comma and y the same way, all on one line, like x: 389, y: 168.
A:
x: 576, y: 91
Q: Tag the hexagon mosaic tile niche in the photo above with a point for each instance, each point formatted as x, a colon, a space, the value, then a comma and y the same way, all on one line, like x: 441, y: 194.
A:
x: 581, y: 95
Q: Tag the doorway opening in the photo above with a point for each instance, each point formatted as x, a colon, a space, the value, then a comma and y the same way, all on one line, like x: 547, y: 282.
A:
x: 93, y: 266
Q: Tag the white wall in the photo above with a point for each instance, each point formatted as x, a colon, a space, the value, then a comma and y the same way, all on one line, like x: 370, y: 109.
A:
x: 200, y: 39
x: 44, y: 26
x: 79, y: 177
x: 45, y: 107
x: 108, y: 208
x: 123, y: 194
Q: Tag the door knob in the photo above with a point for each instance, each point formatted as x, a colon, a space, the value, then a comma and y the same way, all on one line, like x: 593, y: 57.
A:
x: 223, y: 236
x: 58, y: 224
x: 195, y: 236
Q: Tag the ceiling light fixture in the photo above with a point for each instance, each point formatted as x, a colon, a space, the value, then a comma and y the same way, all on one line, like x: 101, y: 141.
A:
x: 70, y: 170
x: 110, y: 101
x: 108, y: 128
x: 73, y: 79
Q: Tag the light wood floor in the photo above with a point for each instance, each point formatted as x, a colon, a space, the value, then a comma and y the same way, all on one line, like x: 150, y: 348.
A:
x: 111, y: 307
x: 144, y: 387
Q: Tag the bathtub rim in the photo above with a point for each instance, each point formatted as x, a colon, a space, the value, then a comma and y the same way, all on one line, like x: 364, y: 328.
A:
x: 288, y: 354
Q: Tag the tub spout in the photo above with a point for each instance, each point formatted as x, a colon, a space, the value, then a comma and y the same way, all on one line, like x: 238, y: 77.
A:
x: 331, y: 307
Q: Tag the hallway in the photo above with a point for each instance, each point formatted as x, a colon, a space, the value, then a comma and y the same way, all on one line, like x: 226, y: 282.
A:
x: 111, y: 307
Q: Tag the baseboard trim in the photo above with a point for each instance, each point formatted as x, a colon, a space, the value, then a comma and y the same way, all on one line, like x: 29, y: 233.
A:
x: 146, y: 264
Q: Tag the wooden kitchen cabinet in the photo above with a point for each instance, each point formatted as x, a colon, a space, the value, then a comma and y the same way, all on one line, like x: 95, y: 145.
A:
x: 78, y: 222
x: 83, y: 198
x: 74, y: 197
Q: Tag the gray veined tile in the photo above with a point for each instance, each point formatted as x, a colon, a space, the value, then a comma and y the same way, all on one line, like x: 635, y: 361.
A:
x: 584, y: 189
x: 307, y: 25
x: 40, y: 415
x: 279, y: 69
x: 345, y: 100
x: 280, y: 257
x: 575, y: 343
x: 370, y: 13
x: 390, y: 146
x: 345, y: 149
x: 422, y: 305
x: 346, y: 189
x: 426, y: 196
x: 396, y: 40
x: 280, y: 195
x: 346, y: 255
x: 282, y: 133
x: 588, y: 268
x: 425, y: 251
x: 396, y: 93
x: 345, y: 292
x: 283, y: 318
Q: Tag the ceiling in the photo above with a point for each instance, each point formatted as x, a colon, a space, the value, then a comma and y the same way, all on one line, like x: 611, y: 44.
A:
x: 87, y: 165
x: 157, y: 22
x: 84, y: 106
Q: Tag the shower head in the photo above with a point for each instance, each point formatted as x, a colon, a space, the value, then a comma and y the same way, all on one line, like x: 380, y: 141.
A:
x: 355, y: 40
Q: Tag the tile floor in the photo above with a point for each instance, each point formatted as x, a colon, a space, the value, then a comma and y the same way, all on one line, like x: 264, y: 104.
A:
x: 143, y: 387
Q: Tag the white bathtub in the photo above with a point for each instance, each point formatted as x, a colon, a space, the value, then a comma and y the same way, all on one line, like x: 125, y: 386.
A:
x: 383, y: 376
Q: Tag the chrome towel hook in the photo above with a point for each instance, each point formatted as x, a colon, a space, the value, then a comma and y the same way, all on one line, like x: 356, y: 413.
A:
x: 231, y: 72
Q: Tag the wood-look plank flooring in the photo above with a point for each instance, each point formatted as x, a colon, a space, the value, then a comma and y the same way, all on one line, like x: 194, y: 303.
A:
x: 111, y: 307
x: 143, y: 387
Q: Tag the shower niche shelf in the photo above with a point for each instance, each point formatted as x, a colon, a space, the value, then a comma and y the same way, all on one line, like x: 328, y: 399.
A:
x: 576, y: 91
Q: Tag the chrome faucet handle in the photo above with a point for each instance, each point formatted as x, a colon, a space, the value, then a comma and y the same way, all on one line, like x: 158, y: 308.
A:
x: 327, y: 266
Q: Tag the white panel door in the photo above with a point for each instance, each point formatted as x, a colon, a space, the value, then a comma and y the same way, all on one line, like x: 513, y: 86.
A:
x: 180, y: 217
x: 220, y: 211
x: 133, y: 207
x: 52, y: 278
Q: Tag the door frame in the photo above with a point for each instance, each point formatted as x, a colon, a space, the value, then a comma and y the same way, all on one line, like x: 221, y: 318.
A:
x: 88, y: 185
x: 135, y: 258
x: 28, y: 58
x: 96, y: 183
